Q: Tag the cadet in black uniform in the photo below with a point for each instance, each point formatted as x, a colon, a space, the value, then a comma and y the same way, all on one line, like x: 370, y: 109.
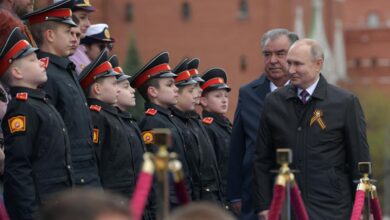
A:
x: 111, y: 139
x: 192, y: 66
x: 156, y: 84
x: 63, y: 87
x: 200, y: 152
x: 126, y: 100
x: 37, y: 163
x: 215, y: 102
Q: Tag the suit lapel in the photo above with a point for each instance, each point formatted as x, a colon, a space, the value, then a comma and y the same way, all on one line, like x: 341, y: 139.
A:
x: 262, y: 87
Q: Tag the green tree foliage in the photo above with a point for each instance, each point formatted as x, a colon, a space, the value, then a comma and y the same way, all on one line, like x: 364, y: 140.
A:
x: 132, y: 65
x: 376, y: 107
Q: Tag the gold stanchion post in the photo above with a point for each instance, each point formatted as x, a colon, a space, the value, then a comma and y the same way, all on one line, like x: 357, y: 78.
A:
x: 162, y: 138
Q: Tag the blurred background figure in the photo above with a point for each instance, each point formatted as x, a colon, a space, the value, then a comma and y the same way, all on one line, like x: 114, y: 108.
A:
x: 97, y: 39
x: 86, y: 204
x: 81, y: 13
x: 201, y: 211
x: 18, y: 7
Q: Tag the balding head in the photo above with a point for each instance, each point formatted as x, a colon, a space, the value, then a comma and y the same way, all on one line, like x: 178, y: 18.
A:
x: 316, y: 50
x: 201, y: 211
x: 305, y: 59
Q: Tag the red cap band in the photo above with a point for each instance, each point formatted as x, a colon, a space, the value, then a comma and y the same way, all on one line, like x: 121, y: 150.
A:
x: 118, y: 69
x: 193, y: 72
x: 6, y: 61
x: 211, y: 82
x: 185, y: 75
x: 90, y: 78
x: 57, y: 13
x: 150, y: 73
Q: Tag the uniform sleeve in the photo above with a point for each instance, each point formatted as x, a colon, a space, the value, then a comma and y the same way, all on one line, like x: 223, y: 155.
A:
x: 264, y: 162
x: 99, y: 134
x: 146, y: 125
x: 236, y: 157
x: 356, y: 138
x: 20, y: 128
x: 212, y: 136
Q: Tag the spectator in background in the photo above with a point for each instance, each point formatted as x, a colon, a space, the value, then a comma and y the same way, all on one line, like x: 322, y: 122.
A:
x: 86, y: 204
x: 18, y: 7
x: 81, y: 10
x: 96, y: 40
x: 201, y: 211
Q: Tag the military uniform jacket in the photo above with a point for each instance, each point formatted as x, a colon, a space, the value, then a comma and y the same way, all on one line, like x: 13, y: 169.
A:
x: 325, y: 152
x: 134, y: 134
x: 67, y: 96
x: 38, y: 162
x: 114, y: 149
x: 219, y: 129
x: 138, y: 149
x: 159, y: 117
x: 201, y: 157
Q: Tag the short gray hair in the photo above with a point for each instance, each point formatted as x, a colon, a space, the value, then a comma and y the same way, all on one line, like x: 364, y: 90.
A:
x: 316, y: 51
x: 277, y: 32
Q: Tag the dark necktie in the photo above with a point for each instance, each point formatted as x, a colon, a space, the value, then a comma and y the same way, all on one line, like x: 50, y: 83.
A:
x: 304, y: 96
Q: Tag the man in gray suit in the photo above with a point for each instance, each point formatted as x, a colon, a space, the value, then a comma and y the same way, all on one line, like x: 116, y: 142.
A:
x: 324, y: 127
x: 275, y: 44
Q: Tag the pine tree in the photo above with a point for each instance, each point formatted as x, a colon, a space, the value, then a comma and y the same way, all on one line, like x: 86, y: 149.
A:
x: 132, y: 65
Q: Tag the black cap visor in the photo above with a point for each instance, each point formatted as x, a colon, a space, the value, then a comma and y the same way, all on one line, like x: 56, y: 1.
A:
x: 217, y: 87
x: 187, y: 82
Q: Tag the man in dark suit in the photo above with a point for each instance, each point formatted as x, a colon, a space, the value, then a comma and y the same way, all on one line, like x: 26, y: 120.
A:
x: 324, y: 127
x: 275, y: 44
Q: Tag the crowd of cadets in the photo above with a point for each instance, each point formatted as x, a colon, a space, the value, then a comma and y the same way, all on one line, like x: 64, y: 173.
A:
x: 68, y: 123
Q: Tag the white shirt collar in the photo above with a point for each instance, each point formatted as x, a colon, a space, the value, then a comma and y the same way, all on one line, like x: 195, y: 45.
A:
x: 311, y: 88
x: 273, y: 87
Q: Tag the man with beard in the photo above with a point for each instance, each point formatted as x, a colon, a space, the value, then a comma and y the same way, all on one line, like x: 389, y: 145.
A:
x: 18, y: 7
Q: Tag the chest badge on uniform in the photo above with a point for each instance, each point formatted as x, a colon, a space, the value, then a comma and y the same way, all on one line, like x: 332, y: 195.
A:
x: 317, y: 117
x: 17, y: 124
x: 148, y: 137
x: 208, y: 120
x: 95, y: 136
x: 151, y: 111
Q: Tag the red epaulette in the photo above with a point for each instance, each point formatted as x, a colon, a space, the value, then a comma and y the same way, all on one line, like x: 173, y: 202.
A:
x: 95, y: 108
x: 45, y: 62
x: 208, y: 120
x: 22, y: 96
x: 151, y: 111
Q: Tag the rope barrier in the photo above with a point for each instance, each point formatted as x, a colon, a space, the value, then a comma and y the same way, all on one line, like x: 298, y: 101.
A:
x: 286, y: 178
x: 142, y: 189
x: 366, y: 187
x: 297, y: 204
x: 358, y: 205
x: 175, y: 167
x: 277, y: 202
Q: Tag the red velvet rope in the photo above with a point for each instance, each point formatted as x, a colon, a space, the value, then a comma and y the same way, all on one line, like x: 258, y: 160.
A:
x: 277, y: 202
x: 3, y: 212
x: 297, y: 204
x: 358, y: 205
x: 141, y: 194
x: 181, y: 192
x: 376, y: 209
